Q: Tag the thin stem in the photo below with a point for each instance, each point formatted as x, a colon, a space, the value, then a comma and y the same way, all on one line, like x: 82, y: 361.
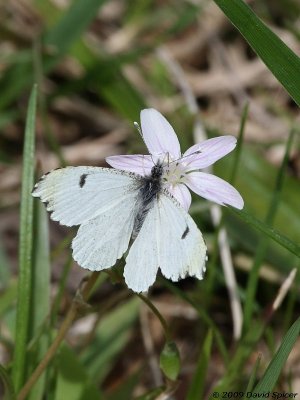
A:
x: 84, y: 295
x: 158, y: 315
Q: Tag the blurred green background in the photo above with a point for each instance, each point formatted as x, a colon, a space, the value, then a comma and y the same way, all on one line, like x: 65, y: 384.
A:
x: 97, y: 64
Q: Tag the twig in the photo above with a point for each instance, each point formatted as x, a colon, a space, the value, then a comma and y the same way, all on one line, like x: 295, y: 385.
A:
x: 200, y: 135
x: 72, y: 313
x: 284, y: 288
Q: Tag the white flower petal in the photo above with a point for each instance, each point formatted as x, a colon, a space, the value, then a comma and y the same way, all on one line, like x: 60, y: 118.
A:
x: 136, y: 163
x: 158, y: 134
x: 215, y: 189
x: 211, y: 150
x: 181, y: 194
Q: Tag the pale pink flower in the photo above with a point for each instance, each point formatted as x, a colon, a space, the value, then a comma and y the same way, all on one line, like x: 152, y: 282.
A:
x: 181, y: 171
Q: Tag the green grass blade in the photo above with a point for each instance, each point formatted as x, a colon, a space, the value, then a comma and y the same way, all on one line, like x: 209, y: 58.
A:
x: 252, y: 377
x: 278, y: 57
x: 40, y: 296
x: 235, y: 366
x: 196, y: 390
x: 25, y: 246
x: 271, y: 232
x: 262, y: 248
x: 72, y: 24
x: 203, y: 315
x: 272, y: 373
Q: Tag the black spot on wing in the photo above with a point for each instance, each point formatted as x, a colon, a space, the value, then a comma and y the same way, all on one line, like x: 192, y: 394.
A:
x: 82, y: 180
x: 186, y: 231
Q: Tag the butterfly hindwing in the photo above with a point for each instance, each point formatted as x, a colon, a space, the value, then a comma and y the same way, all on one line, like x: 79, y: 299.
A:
x: 170, y: 240
x: 104, y: 239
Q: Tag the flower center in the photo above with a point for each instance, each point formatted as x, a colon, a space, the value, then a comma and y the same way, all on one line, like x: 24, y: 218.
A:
x: 174, y: 173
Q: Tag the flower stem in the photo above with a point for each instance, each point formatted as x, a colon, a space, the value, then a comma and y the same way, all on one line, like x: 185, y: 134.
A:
x: 82, y: 294
x: 158, y: 315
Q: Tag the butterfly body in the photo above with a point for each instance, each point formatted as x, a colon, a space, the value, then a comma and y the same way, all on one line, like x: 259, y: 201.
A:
x: 150, y: 187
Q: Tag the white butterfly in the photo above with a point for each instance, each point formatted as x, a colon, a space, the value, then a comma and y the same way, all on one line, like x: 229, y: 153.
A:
x: 142, y: 205
x: 112, y: 207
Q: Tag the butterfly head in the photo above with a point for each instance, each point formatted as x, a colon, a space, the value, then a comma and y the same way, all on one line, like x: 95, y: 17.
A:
x: 157, y: 170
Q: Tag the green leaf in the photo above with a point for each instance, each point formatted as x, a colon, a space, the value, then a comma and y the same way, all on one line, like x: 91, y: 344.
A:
x: 196, y: 390
x: 72, y: 379
x: 252, y: 376
x: 25, y: 246
x: 169, y: 361
x: 271, y: 232
x: 112, y: 334
x: 272, y: 373
x: 278, y: 57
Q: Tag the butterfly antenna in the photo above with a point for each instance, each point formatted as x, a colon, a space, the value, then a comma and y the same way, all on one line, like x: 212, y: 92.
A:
x: 137, y: 126
x: 188, y: 155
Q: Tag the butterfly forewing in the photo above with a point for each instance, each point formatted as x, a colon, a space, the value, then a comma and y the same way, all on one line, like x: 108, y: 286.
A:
x: 75, y: 195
